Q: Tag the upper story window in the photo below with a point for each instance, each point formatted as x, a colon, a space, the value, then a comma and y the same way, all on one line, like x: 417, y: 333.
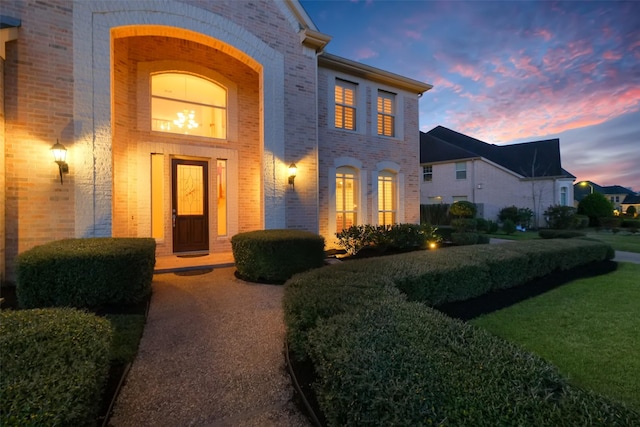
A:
x: 427, y: 173
x: 345, y: 98
x: 187, y: 104
x: 386, y: 113
x: 461, y: 170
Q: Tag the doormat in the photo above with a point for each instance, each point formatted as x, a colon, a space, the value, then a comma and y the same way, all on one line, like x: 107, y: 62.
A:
x: 192, y: 255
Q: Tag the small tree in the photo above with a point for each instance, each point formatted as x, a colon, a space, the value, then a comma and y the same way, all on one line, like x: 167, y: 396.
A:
x: 463, y: 209
x: 508, y: 226
x: 595, y: 206
x: 561, y: 217
x: 631, y: 211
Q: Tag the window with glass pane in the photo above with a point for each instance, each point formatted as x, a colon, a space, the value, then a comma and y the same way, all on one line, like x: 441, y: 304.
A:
x: 386, y: 113
x: 427, y: 173
x: 221, y: 177
x: 187, y: 104
x: 563, y: 196
x: 386, y: 198
x: 346, y: 198
x: 345, y: 98
x: 461, y: 170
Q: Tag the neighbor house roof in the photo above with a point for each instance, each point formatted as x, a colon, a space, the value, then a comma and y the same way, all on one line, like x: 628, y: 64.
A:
x: 632, y: 199
x: 530, y: 159
x: 616, y: 189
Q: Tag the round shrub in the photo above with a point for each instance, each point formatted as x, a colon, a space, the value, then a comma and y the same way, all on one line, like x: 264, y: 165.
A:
x: 596, y: 206
x: 631, y: 211
x: 508, y: 226
x: 463, y: 239
x: 462, y: 225
x: 463, y: 209
x: 276, y: 255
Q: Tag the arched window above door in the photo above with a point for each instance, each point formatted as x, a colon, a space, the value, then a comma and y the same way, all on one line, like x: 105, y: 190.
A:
x: 188, y: 104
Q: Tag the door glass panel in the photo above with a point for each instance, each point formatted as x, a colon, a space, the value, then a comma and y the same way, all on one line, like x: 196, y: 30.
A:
x: 222, y: 197
x: 190, y: 197
x: 157, y: 196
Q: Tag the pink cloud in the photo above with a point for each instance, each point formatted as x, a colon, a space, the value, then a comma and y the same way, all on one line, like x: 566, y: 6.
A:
x: 466, y: 71
x: 524, y: 63
x: 365, y: 53
x: 545, y: 34
x: 611, y: 55
x: 442, y: 82
x: 588, y: 68
x: 413, y: 34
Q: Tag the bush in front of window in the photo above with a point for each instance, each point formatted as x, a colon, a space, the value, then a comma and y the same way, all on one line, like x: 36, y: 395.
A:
x: 561, y: 217
x: 86, y: 273
x: 382, y: 238
x: 55, y: 364
x: 274, y: 256
x: 463, y: 209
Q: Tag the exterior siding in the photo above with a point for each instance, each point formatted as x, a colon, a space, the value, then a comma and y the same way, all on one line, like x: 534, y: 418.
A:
x: 368, y: 150
x: 495, y: 188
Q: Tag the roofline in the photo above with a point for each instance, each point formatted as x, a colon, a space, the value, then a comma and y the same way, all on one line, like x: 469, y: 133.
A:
x: 309, y: 34
x: 348, y: 66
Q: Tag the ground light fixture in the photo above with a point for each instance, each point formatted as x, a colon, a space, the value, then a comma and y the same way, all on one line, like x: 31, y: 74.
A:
x: 60, y: 156
x: 293, y: 170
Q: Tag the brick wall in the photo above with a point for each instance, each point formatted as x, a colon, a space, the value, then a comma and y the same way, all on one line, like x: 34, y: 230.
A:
x: 38, y: 89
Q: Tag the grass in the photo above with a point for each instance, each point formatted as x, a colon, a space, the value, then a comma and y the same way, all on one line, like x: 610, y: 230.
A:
x: 622, y: 241
x: 518, y: 235
x: 587, y: 328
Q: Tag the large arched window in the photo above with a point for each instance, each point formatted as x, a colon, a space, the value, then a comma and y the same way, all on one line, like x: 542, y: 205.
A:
x: 187, y: 104
x: 346, y: 198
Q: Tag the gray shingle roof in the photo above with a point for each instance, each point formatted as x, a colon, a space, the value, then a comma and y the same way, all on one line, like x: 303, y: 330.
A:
x: 529, y: 159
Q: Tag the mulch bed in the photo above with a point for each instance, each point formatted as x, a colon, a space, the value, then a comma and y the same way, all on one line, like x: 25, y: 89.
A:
x: 463, y: 310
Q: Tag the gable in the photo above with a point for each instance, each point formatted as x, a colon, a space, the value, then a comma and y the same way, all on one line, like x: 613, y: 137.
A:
x: 530, y: 159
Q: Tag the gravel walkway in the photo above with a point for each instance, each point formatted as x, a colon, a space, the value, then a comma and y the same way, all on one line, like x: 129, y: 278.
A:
x: 211, y: 355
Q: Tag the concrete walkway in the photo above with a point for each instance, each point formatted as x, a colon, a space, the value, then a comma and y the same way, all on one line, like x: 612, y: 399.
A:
x: 211, y: 355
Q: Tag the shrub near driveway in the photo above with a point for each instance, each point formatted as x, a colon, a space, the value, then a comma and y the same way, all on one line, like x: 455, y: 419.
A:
x: 54, y: 366
x: 86, y: 272
x: 382, y: 360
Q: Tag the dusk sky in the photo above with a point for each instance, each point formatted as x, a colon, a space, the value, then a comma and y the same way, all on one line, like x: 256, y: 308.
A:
x: 506, y: 72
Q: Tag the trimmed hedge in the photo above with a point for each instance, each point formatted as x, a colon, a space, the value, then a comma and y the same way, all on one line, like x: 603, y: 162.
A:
x: 54, y: 366
x: 86, y: 272
x: 404, y: 364
x: 383, y: 360
x: 630, y: 223
x: 560, y: 234
x: 276, y: 255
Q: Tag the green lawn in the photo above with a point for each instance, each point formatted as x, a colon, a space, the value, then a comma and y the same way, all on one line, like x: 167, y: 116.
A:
x: 589, y: 329
x: 622, y: 241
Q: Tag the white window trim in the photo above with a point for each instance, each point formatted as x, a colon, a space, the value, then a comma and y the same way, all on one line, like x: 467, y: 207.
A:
x: 146, y: 69
x: 399, y: 112
x: 425, y: 173
x: 362, y: 197
x: 395, y: 168
x: 466, y: 170
x: 361, y: 113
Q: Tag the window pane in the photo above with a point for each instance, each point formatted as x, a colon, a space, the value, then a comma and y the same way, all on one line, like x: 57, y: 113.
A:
x: 221, y: 177
x: 190, y: 190
x: 157, y: 196
x: 346, y: 198
x: 345, y: 98
x: 186, y: 104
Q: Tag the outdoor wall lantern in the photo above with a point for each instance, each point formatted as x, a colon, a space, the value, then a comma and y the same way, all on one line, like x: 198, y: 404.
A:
x: 60, y: 155
x: 293, y: 170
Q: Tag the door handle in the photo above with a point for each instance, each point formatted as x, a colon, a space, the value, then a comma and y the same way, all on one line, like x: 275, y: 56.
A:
x: 173, y: 218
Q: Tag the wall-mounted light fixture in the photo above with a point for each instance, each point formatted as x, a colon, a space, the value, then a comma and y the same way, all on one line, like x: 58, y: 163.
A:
x: 480, y: 186
x: 293, y: 170
x: 60, y: 156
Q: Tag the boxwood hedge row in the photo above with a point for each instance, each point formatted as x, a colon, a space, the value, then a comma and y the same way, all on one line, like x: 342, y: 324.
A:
x: 54, y: 366
x: 85, y: 272
x: 382, y: 359
x: 276, y: 255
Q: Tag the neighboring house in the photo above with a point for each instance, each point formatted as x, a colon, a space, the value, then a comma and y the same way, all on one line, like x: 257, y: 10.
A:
x: 181, y: 120
x: 631, y: 200
x: 618, y: 195
x: 528, y: 175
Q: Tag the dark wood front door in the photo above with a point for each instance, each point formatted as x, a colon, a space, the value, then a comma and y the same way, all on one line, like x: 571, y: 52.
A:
x: 190, y: 205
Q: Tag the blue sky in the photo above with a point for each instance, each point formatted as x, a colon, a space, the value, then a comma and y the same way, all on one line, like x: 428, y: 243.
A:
x: 513, y: 71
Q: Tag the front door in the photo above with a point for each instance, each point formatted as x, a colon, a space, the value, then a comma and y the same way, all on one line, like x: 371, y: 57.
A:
x: 190, y: 212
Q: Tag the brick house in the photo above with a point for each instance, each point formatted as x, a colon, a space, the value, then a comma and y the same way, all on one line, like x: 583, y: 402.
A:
x: 458, y: 167
x: 180, y: 121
